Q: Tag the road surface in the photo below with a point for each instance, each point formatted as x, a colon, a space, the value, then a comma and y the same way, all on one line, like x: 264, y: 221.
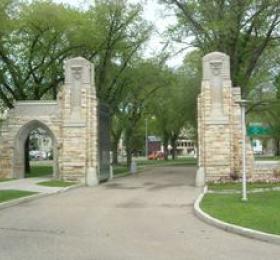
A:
x: 144, y: 217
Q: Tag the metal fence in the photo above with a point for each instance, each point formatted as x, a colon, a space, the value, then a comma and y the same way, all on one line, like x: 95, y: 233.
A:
x: 104, y: 142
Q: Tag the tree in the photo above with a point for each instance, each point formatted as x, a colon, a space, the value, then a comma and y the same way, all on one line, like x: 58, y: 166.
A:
x: 175, y: 104
x: 33, y: 50
x: 119, y: 33
x: 43, y: 34
x: 116, y: 132
x: 143, y: 80
x: 243, y: 29
x: 266, y: 109
x: 39, y: 36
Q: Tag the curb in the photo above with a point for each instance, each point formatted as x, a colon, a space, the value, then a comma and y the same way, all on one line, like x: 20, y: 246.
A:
x: 15, y: 202
x: 247, y: 232
x: 256, y: 190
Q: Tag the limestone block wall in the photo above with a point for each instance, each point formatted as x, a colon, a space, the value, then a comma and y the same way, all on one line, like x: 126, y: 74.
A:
x: 219, y: 122
x: 71, y: 121
x: 236, y: 135
x: 79, y: 147
x: 16, y: 128
x: 268, y: 171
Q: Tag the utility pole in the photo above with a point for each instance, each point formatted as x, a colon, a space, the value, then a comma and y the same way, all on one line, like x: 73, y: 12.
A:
x: 146, y: 143
x: 243, y: 104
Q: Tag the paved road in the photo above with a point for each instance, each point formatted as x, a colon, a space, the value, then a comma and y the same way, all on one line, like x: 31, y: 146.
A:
x: 145, y: 217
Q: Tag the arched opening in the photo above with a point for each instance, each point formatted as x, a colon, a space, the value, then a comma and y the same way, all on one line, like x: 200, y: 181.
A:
x: 35, y: 145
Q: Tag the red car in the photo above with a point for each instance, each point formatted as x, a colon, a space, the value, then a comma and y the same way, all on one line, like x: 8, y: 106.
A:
x: 156, y: 155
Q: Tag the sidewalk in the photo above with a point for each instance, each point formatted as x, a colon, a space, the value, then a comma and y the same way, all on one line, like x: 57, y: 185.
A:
x: 29, y: 184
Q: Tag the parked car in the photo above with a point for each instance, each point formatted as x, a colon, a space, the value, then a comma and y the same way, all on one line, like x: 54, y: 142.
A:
x: 156, y: 155
x: 38, y: 155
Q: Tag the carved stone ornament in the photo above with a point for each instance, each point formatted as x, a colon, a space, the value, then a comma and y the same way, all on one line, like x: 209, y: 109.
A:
x: 78, y: 69
x: 76, y: 72
x: 216, y: 67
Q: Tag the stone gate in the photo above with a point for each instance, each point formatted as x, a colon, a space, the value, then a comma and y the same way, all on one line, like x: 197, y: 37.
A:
x: 219, y: 124
x: 71, y: 121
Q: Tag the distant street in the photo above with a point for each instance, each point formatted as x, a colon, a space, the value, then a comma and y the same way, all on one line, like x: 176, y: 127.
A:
x: 144, y: 217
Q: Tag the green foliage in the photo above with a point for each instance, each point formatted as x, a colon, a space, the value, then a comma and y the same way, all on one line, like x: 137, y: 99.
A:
x: 40, y: 35
x: 174, y: 106
x: 143, y: 81
x: 33, y: 50
x: 119, y: 33
x: 241, y: 29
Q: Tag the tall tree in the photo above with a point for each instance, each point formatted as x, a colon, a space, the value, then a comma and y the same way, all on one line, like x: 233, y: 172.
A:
x: 43, y: 34
x: 243, y: 29
x: 33, y: 50
x: 144, y: 79
x: 175, y: 104
x: 119, y: 32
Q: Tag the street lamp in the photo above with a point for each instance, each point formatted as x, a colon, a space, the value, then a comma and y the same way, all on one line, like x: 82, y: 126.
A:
x: 243, y: 104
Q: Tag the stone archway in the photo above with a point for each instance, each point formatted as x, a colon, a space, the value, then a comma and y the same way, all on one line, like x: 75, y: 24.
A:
x: 19, y: 153
x: 72, y: 123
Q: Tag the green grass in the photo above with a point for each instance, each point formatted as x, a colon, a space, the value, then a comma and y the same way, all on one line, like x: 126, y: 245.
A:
x: 8, y: 179
x: 121, y: 169
x: 260, y: 212
x: 40, y: 171
x: 177, y: 162
x: 6, y: 195
x: 267, y: 158
x: 56, y: 183
x: 238, y: 186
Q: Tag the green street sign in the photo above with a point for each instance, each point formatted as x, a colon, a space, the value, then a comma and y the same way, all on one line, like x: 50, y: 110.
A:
x: 258, y: 130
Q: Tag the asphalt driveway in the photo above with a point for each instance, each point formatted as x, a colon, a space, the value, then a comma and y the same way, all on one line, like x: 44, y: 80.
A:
x: 148, y: 217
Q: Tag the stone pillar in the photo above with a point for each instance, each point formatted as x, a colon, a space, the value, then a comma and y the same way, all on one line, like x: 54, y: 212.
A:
x: 79, y: 148
x: 219, y: 123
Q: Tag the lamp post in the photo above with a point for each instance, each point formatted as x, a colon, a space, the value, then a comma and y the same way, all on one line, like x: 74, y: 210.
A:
x: 146, y: 143
x: 243, y: 104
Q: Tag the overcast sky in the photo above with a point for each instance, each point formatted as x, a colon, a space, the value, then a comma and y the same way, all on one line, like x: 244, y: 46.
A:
x: 154, y: 13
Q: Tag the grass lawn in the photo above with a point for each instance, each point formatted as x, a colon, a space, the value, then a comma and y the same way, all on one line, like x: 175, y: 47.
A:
x: 189, y: 161
x: 121, y: 169
x: 6, y: 195
x: 56, y: 183
x: 260, y: 212
x: 238, y: 186
x: 267, y: 158
x: 40, y: 171
x: 9, y: 179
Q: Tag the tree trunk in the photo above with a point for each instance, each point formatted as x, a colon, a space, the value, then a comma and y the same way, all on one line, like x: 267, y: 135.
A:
x: 128, y: 157
x: 174, y: 151
x: 115, y: 160
x: 26, y: 156
x: 277, y: 147
x: 165, y: 147
x: 165, y: 150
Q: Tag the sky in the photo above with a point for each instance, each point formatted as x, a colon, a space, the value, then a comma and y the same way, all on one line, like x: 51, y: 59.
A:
x: 155, y: 13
